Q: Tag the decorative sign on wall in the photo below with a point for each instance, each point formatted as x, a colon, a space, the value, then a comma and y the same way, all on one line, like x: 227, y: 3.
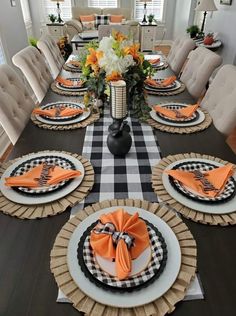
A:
x: 228, y: 2
x: 13, y: 3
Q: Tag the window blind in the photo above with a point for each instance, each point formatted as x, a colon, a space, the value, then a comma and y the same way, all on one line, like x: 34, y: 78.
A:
x: 50, y: 7
x: 102, y: 3
x: 26, y: 11
x: 155, y: 7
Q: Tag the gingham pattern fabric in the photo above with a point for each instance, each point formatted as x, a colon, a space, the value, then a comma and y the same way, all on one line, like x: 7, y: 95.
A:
x: 148, y: 273
x: 115, y: 177
x: 101, y: 20
x: 228, y: 191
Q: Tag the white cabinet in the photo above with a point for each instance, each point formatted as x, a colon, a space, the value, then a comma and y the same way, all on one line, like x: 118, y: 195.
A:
x: 56, y: 30
x: 147, y: 36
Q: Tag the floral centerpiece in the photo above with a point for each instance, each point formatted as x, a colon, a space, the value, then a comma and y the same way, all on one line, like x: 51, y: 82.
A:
x: 115, y: 58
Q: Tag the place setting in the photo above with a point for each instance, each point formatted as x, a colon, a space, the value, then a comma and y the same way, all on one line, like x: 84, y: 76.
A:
x: 72, y: 65
x: 158, y: 62
x: 200, y: 187
x: 128, y: 255
x: 64, y: 116
x: 179, y: 118
x: 164, y: 86
x: 44, y: 184
x: 69, y: 86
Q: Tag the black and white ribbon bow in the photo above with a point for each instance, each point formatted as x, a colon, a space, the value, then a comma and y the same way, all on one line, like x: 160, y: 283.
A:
x: 110, y: 229
x: 207, y: 185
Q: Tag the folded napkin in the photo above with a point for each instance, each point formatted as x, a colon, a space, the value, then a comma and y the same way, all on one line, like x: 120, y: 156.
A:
x: 70, y: 83
x: 74, y: 63
x: 42, y: 175
x: 164, y: 83
x: 58, y: 112
x: 122, y: 237
x: 177, y: 114
x: 209, y: 183
x: 154, y: 61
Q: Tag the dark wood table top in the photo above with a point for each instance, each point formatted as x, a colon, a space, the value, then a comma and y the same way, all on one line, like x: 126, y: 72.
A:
x: 27, y: 286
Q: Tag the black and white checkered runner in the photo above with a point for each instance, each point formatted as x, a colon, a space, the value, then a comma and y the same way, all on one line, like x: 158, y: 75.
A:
x: 115, y: 177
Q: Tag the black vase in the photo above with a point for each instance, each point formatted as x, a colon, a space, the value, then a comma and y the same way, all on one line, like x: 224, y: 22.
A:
x: 119, y: 143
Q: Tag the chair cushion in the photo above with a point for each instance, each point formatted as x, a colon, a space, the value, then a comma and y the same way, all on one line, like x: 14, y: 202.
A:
x: 88, y: 22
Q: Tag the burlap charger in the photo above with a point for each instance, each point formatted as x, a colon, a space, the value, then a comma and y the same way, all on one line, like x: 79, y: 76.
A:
x: 49, y: 209
x: 182, y: 130
x: 66, y: 93
x: 197, y: 216
x: 162, y: 305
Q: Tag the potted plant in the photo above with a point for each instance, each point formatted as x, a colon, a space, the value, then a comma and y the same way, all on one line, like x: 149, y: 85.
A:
x: 150, y: 18
x: 209, y: 39
x: 193, y: 30
x: 52, y: 18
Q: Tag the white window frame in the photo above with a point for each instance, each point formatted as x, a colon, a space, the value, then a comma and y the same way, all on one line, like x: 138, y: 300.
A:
x: 117, y: 4
x: 162, y: 21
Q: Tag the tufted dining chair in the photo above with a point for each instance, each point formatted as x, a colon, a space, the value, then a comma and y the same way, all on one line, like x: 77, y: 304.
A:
x: 197, y: 71
x: 16, y: 104
x: 35, y: 69
x: 106, y: 30
x: 220, y: 98
x: 52, y: 53
x: 178, y: 54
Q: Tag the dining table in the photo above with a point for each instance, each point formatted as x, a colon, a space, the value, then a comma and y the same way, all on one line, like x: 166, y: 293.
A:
x: 27, y: 286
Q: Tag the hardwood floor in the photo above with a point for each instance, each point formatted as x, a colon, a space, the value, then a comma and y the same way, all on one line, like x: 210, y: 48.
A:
x: 164, y: 49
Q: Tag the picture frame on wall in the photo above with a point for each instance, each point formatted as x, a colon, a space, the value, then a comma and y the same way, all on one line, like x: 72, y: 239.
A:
x: 227, y: 2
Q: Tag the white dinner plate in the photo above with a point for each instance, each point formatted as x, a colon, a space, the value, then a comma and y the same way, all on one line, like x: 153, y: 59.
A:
x: 17, y: 197
x: 176, y: 87
x: 144, y: 296
x: 70, y: 89
x: 223, y: 208
x: 158, y: 119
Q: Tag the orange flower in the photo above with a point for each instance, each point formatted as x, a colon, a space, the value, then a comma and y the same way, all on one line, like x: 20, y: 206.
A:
x: 93, y: 58
x: 134, y: 51
x: 114, y: 76
x: 118, y: 36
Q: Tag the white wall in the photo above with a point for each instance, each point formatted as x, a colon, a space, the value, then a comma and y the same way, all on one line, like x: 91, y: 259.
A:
x: 223, y: 21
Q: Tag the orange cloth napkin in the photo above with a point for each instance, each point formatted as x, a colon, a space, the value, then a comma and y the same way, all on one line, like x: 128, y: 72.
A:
x: 103, y: 243
x: 216, y: 177
x: 180, y: 113
x: 46, y: 174
x: 164, y: 83
x: 69, y: 83
x: 154, y: 61
x: 58, y: 112
x: 74, y: 63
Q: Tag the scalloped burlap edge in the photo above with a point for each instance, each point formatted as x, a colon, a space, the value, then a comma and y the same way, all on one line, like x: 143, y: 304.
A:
x: 90, y: 120
x: 161, y: 306
x: 196, y: 216
x: 66, y: 93
x: 182, y: 130
x: 49, y: 209
x: 178, y: 91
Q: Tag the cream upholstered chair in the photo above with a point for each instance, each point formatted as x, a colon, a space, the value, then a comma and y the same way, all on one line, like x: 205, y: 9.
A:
x: 220, y: 98
x: 106, y: 30
x: 178, y: 54
x: 198, y: 69
x: 35, y: 69
x: 52, y: 53
x: 16, y: 104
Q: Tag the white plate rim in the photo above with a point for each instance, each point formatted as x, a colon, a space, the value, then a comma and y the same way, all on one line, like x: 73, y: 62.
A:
x: 81, y: 118
x: 136, y: 298
x: 178, y: 85
x: 158, y: 119
x: 222, y: 208
x: 16, y: 197
x: 71, y: 90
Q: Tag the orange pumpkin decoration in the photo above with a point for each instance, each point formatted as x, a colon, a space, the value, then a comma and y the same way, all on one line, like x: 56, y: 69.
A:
x: 208, y: 40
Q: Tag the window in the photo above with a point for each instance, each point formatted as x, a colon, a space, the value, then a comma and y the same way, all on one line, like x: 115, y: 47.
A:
x: 155, y: 7
x: 2, y: 57
x: 102, y: 3
x: 50, y: 7
x: 26, y: 12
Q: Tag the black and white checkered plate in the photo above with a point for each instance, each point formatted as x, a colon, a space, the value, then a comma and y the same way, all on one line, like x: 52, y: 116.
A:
x: 54, y: 105
x: 193, y: 118
x: 71, y: 88
x: 29, y: 164
x: 73, y: 66
x: 228, y: 193
x: 102, y: 279
x: 171, y: 86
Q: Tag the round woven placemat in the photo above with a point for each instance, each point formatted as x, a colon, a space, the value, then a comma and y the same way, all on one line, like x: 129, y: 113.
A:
x: 65, y: 67
x: 196, y: 216
x: 174, y: 92
x: 91, y: 119
x: 49, y: 209
x: 162, y: 305
x: 182, y: 130
x: 66, y: 93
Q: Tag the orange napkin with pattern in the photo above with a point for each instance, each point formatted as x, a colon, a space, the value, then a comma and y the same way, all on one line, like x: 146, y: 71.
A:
x: 42, y: 175
x: 154, y: 61
x: 69, y: 83
x: 211, y: 184
x: 180, y: 113
x: 58, y: 112
x: 164, y: 83
x: 122, y: 237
